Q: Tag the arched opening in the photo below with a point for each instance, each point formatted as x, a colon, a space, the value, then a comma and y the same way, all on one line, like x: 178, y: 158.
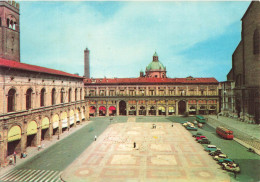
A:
x: 102, y: 111
x: 62, y: 95
x: 152, y: 111
x: 45, y: 133
x: 76, y: 96
x: 161, y: 111
x: 122, y: 108
x: 64, y: 121
x: 80, y: 94
x: 69, y: 95
x: 202, y: 110
x: 77, y: 115
x: 171, y: 110
x: 53, y: 95
x: 72, y: 118
x: 212, y: 110
x: 29, y: 99
x: 142, y: 111
x: 256, y: 42
x: 192, y: 110
x: 83, y: 113
x: 92, y: 111
x: 182, y: 107
x: 55, y: 124
x: 11, y: 100
x: 32, y: 134
x: 112, y: 111
x: 132, y: 110
x: 14, y: 140
x: 42, y: 101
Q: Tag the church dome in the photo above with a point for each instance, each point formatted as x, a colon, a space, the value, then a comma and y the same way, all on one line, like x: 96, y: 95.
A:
x: 155, y: 64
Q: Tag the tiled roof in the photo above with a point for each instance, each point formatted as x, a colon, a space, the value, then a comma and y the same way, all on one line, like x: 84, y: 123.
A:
x: 148, y: 80
x: 34, y: 68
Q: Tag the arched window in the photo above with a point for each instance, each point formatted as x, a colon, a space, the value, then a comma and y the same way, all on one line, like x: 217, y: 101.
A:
x: 61, y: 95
x: 42, y: 97
x: 69, y: 96
x: 76, y: 94
x: 256, y: 41
x: 53, y: 95
x: 11, y: 100
x: 8, y: 22
x: 29, y: 99
x: 80, y: 94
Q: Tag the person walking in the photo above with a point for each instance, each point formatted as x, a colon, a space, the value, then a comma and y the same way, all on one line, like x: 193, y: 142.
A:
x: 14, y: 157
x: 95, y: 137
x: 134, y: 145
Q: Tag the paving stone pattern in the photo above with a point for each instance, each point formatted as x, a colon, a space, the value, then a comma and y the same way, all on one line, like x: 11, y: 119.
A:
x: 164, y: 153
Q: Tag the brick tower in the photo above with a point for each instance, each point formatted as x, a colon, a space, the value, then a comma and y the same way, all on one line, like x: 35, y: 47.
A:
x: 9, y: 30
x: 86, y: 63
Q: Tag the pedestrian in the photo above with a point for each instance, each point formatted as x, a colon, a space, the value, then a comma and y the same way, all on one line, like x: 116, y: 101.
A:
x: 58, y: 136
x: 134, y: 145
x: 14, y: 157
x: 11, y: 160
x: 39, y: 147
x: 172, y: 124
x: 95, y: 137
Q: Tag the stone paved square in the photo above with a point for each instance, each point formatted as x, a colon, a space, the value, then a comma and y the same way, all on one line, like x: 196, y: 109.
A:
x: 162, y: 154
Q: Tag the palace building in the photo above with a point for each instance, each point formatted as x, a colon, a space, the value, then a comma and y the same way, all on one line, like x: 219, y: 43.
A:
x: 36, y: 103
x: 152, y: 94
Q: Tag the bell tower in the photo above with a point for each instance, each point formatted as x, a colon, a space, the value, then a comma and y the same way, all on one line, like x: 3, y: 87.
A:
x: 9, y: 30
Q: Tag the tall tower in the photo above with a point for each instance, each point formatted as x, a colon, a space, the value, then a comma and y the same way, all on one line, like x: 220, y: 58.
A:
x: 86, y: 63
x: 9, y: 30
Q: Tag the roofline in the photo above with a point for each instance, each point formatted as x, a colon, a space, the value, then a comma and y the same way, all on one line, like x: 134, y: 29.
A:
x: 248, y: 9
x: 70, y: 75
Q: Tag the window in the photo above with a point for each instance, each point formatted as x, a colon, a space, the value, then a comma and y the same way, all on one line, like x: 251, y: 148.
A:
x: 53, y: 95
x: 80, y: 94
x: 62, y: 95
x: 29, y: 99
x: 76, y: 97
x: 42, y: 97
x: 256, y: 46
x: 11, y: 100
x: 69, y: 96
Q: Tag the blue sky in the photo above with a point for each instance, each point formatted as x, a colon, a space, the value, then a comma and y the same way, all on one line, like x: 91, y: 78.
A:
x: 191, y: 38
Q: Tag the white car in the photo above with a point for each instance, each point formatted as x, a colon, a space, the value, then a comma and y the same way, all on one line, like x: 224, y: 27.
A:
x: 220, y: 156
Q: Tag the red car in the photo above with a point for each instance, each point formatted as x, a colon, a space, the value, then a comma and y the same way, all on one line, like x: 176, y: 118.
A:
x: 200, y: 137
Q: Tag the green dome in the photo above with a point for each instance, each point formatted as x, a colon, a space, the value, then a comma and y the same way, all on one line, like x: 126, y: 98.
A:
x: 155, y: 65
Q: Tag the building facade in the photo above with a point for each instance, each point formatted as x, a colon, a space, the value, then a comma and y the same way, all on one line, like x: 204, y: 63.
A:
x: 152, y: 94
x: 36, y: 103
x: 245, y: 70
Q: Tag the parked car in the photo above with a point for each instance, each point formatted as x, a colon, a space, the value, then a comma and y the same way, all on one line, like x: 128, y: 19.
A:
x: 217, y: 152
x: 231, y: 167
x: 226, y: 160
x: 220, y: 156
x: 204, y: 141
x: 193, y: 128
x: 210, y: 148
x: 200, y: 137
x: 197, y: 134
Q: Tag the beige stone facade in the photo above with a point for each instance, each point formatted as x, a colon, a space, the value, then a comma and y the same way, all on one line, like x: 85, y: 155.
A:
x: 35, y: 102
x: 245, y: 70
x: 157, y: 98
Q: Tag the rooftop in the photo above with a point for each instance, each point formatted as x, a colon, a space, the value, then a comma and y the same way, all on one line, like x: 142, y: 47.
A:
x: 28, y: 67
x: 148, y: 80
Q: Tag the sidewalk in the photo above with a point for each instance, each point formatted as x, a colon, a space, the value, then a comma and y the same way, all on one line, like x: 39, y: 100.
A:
x: 246, y: 134
x: 33, y: 151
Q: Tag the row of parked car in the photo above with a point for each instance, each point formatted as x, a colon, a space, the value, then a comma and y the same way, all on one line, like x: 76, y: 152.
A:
x: 222, y: 159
